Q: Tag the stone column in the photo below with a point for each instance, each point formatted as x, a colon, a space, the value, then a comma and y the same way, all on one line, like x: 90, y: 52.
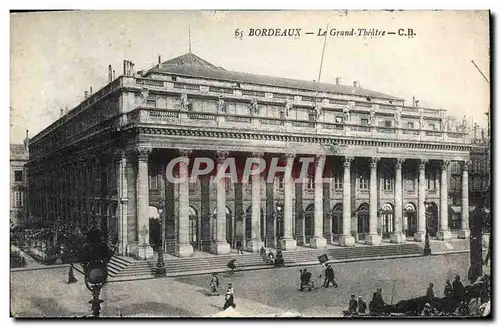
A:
x: 145, y: 251
x: 183, y: 248
x: 398, y: 236
x: 255, y: 242
x: 444, y: 231
x: 318, y: 241
x: 220, y: 245
x: 420, y: 234
x: 464, y: 231
x: 288, y: 243
x: 373, y: 237
x: 346, y: 239
x: 122, y: 216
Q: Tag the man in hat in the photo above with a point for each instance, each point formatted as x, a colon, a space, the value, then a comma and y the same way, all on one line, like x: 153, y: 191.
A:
x: 329, y: 276
x: 458, y: 290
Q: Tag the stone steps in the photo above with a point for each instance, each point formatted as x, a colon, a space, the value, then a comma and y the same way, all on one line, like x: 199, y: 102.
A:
x: 123, y: 267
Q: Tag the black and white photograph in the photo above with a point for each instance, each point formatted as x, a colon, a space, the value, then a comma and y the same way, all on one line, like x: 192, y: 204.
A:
x: 232, y: 163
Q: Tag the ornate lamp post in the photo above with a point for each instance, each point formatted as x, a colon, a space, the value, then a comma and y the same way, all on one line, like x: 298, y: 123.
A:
x: 94, y: 256
x: 161, y: 271
x: 427, y: 246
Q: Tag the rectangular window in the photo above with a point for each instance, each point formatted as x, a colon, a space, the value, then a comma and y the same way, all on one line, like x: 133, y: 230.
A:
x: 310, y: 183
x: 151, y: 103
x: 281, y: 183
x: 339, y: 119
x: 432, y: 126
x: 364, y: 121
x: 363, y: 182
x: 153, y: 182
x: 337, y: 182
x: 431, y: 180
x: 411, y: 125
x: 18, y: 176
x: 388, y: 183
x: 387, y: 123
x: 312, y: 116
x: 18, y: 199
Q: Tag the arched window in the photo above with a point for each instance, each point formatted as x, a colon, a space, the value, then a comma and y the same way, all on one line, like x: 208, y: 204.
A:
x: 387, y: 219
x: 193, y: 226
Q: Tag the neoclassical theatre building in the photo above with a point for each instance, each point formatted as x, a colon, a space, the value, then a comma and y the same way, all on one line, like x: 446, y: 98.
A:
x: 384, y: 164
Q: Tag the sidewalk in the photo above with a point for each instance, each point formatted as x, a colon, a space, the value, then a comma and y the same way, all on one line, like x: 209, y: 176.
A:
x: 32, y: 264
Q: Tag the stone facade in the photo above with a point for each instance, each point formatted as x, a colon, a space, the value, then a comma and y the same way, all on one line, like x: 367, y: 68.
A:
x: 379, y: 165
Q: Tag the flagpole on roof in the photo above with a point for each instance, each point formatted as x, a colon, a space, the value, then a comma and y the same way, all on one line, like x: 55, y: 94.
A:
x: 321, y: 63
x: 189, y: 22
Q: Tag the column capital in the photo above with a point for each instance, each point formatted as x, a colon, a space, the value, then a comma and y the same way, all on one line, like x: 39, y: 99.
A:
x: 221, y: 156
x: 346, y: 161
x: 119, y: 154
x: 185, y: 152
x: 465, y: 165
x: 399, y: 162
x: 142, y: 153
x: 445, y: 164
x: 374, y: 161
x: 422, y: 164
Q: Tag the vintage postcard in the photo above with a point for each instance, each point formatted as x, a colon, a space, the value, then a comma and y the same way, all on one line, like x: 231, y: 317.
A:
x: 250, y: 164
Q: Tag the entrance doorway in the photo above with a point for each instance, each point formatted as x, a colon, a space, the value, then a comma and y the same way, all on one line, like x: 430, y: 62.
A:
x: 193, y: 227
x: 337, y: 228
x: 387, y: 222
x: 410, y: 212
x: 309, y: 223
x: 363, y: 220
x: 432, y: 219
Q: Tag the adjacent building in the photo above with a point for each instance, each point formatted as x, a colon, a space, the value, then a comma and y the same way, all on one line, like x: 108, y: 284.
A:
x: 387, y: 164
x: 18, y: 181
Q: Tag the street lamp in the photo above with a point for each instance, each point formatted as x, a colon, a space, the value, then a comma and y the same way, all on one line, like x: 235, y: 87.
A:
x: 427, y: 247
x: 94, y: 256
x: 278, y: 213
x: 161, y: 271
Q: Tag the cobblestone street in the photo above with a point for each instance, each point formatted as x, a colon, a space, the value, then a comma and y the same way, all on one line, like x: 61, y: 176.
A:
x: 265, y: 292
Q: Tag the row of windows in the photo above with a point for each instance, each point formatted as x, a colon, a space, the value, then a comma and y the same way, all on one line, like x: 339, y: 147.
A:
x: 363, y: 183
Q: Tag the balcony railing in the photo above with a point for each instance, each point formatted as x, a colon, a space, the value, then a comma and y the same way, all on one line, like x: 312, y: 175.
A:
x: 181, y: 117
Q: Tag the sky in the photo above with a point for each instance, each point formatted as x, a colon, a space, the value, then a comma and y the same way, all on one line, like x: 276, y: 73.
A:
x: 55, y: 57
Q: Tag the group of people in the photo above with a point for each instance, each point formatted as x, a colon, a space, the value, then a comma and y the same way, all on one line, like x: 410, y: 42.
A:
x: 270, y: 259
x: 327, y: 272
x: 228, y: 296
x: 358, y: 307
x: 455, y: 291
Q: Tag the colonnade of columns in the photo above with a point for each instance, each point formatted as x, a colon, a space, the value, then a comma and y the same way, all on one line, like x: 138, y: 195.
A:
x: 138, y: 205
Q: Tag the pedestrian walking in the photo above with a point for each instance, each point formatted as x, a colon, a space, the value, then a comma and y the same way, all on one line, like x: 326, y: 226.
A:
x: 229, y: 299
x: 232, y: 265
x: 329, y: 277
x: 214, y: 284
x: 239, y: 247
